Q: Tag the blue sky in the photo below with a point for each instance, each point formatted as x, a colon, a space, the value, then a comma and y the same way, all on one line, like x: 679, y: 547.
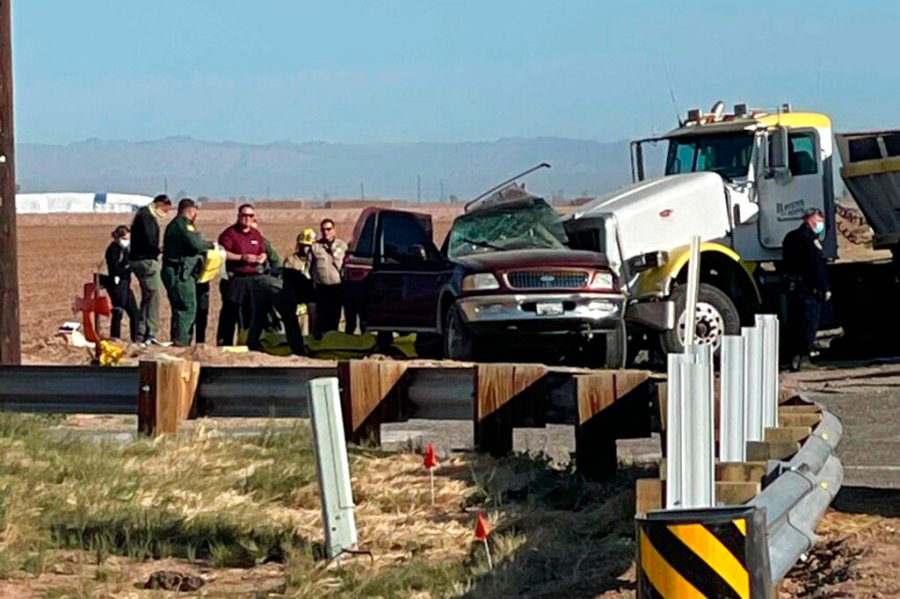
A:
x: 438, y: 70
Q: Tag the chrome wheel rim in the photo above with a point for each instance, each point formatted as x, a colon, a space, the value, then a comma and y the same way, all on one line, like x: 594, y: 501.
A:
x: 709, y: 328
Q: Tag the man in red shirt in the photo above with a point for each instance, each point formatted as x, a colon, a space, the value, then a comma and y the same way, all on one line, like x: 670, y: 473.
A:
x: 245, y: 252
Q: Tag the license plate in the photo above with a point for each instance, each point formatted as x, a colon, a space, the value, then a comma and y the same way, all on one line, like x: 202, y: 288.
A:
x: 549, y: 308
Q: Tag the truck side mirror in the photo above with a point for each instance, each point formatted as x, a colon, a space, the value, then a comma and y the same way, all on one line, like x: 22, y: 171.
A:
x: 778, y: 154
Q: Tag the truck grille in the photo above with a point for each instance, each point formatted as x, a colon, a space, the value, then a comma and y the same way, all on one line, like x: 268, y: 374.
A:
x: 546, y: 279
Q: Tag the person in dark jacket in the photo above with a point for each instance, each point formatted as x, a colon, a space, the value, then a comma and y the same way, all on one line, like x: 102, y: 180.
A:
x: 183, y: 254
x: 145, y: 251
x: 118, y: 284
x: 805, y: 280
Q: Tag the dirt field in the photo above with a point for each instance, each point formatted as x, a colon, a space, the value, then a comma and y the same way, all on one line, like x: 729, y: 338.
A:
x: 58, y: 253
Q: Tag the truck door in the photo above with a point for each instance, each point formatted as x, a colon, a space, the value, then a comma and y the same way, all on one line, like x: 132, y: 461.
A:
x: 783, y: 202
x: 407, y: 276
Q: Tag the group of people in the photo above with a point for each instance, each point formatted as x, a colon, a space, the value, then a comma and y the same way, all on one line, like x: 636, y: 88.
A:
x: 257, y: 287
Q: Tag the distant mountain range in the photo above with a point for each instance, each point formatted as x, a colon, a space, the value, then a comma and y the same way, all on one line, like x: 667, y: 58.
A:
x: 321, y: 170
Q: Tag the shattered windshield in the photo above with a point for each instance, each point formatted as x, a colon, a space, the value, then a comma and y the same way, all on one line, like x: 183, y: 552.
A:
x: 529, y: 225
x: 728, y: 154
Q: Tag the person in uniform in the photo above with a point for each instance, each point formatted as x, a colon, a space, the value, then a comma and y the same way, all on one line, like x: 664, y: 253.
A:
x: 295, y: 273
x: 276, y: 301
x: 184, y: 249
x: 805, y: 280
x: 145, y: 264
x: 328, y: 255
x: 118, y: 285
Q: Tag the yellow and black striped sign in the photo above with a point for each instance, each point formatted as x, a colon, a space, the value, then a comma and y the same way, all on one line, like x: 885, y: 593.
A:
x: 698, y: 554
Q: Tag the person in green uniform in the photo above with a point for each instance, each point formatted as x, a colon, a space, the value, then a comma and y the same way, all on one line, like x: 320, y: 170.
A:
x: 184, y: 249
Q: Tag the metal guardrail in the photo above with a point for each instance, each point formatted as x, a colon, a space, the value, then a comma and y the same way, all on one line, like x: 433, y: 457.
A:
x: 797, y: 498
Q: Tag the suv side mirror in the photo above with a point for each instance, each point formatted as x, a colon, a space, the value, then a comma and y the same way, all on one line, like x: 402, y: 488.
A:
x: 778, y: 155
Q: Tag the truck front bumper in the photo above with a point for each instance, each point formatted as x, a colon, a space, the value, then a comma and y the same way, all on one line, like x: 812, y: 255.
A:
x: 561, y: 312
x: 659, y: 316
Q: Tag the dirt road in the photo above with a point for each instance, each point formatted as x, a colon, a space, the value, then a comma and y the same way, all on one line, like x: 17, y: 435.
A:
x: 860, y: 549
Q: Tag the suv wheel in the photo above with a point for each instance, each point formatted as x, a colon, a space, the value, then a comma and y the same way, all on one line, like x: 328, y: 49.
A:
x: 609, y: 350
x: 459, y: 343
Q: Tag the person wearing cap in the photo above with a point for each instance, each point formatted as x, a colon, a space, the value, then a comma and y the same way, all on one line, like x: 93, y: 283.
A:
x: 805, y: 280
x: 184, y: 249
x: 297, y: 274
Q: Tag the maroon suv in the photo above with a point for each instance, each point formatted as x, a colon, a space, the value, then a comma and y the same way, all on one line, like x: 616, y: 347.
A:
x: 504, y: 272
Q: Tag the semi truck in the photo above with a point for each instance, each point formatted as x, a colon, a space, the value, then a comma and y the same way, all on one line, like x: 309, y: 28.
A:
x: 741, y: 181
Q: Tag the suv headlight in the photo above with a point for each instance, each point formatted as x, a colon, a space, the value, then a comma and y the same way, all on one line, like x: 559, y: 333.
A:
x: 603, y: 280
x: 480, y: 282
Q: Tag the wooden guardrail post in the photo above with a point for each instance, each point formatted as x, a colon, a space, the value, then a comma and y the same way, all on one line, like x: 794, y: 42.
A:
x: 166, y: 391
x: 506, y: 395
x: 603, y: 418
x: 372, y: 392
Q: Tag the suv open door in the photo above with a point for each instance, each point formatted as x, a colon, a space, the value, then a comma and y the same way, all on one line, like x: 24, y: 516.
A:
x: 400, y: 270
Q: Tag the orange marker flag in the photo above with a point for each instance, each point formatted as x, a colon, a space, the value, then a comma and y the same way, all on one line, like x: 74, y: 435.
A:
x: 430, y: 463
x: 431, y: 460
x: 482, y: 530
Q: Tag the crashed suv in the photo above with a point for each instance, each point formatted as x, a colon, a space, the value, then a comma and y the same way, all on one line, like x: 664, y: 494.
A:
x: 505, y: 272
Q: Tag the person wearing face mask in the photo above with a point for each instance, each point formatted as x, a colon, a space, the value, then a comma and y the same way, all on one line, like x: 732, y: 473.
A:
x: 805, y: 279
x: 118, y: 284
x: 183, y: 252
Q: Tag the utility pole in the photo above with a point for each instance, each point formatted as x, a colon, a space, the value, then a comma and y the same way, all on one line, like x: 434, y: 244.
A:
x: 419, y: 188
x: 10, y: 334
x: 362, y: 191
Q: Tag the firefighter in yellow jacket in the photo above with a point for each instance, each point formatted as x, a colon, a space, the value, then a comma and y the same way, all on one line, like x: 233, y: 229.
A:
x: 183, y: 253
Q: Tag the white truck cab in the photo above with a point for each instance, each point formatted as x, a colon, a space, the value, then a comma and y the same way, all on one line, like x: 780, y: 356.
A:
x: 740, y: 181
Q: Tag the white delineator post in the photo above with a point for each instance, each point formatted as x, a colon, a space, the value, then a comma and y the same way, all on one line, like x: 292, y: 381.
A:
x: 693, y: 290
x: 768, y: 323
x: 674, y: 430
x: 690, y: 417
x: 732, y: 440
x: 753, y: 408
x: 332, y: 467
x: 690, y: 443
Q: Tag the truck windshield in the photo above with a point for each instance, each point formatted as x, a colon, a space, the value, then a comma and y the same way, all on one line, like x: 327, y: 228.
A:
x: 531, y: 225
x: 728, y: 154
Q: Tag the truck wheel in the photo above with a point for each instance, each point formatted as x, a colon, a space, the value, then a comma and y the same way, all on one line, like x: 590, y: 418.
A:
x: 459, y: 343
x: 716, y: 316
x: 612, y: 348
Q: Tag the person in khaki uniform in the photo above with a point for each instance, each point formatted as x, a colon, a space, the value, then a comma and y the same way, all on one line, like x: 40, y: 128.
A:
x: 327, y: 260
x: 184, y: 249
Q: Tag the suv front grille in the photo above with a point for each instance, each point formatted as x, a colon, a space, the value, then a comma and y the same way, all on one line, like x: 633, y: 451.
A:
x: 546, y: 279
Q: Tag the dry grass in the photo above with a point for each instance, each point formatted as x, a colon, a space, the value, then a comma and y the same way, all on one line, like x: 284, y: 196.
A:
x: 214, y: 503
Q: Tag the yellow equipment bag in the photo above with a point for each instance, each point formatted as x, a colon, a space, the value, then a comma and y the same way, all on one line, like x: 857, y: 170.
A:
x: 212, y: 265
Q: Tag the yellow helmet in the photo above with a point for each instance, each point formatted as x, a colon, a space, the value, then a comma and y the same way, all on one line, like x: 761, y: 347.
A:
x: 308, y: 237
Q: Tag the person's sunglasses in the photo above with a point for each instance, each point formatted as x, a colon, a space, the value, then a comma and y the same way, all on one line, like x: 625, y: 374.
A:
x: 247, y: 215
